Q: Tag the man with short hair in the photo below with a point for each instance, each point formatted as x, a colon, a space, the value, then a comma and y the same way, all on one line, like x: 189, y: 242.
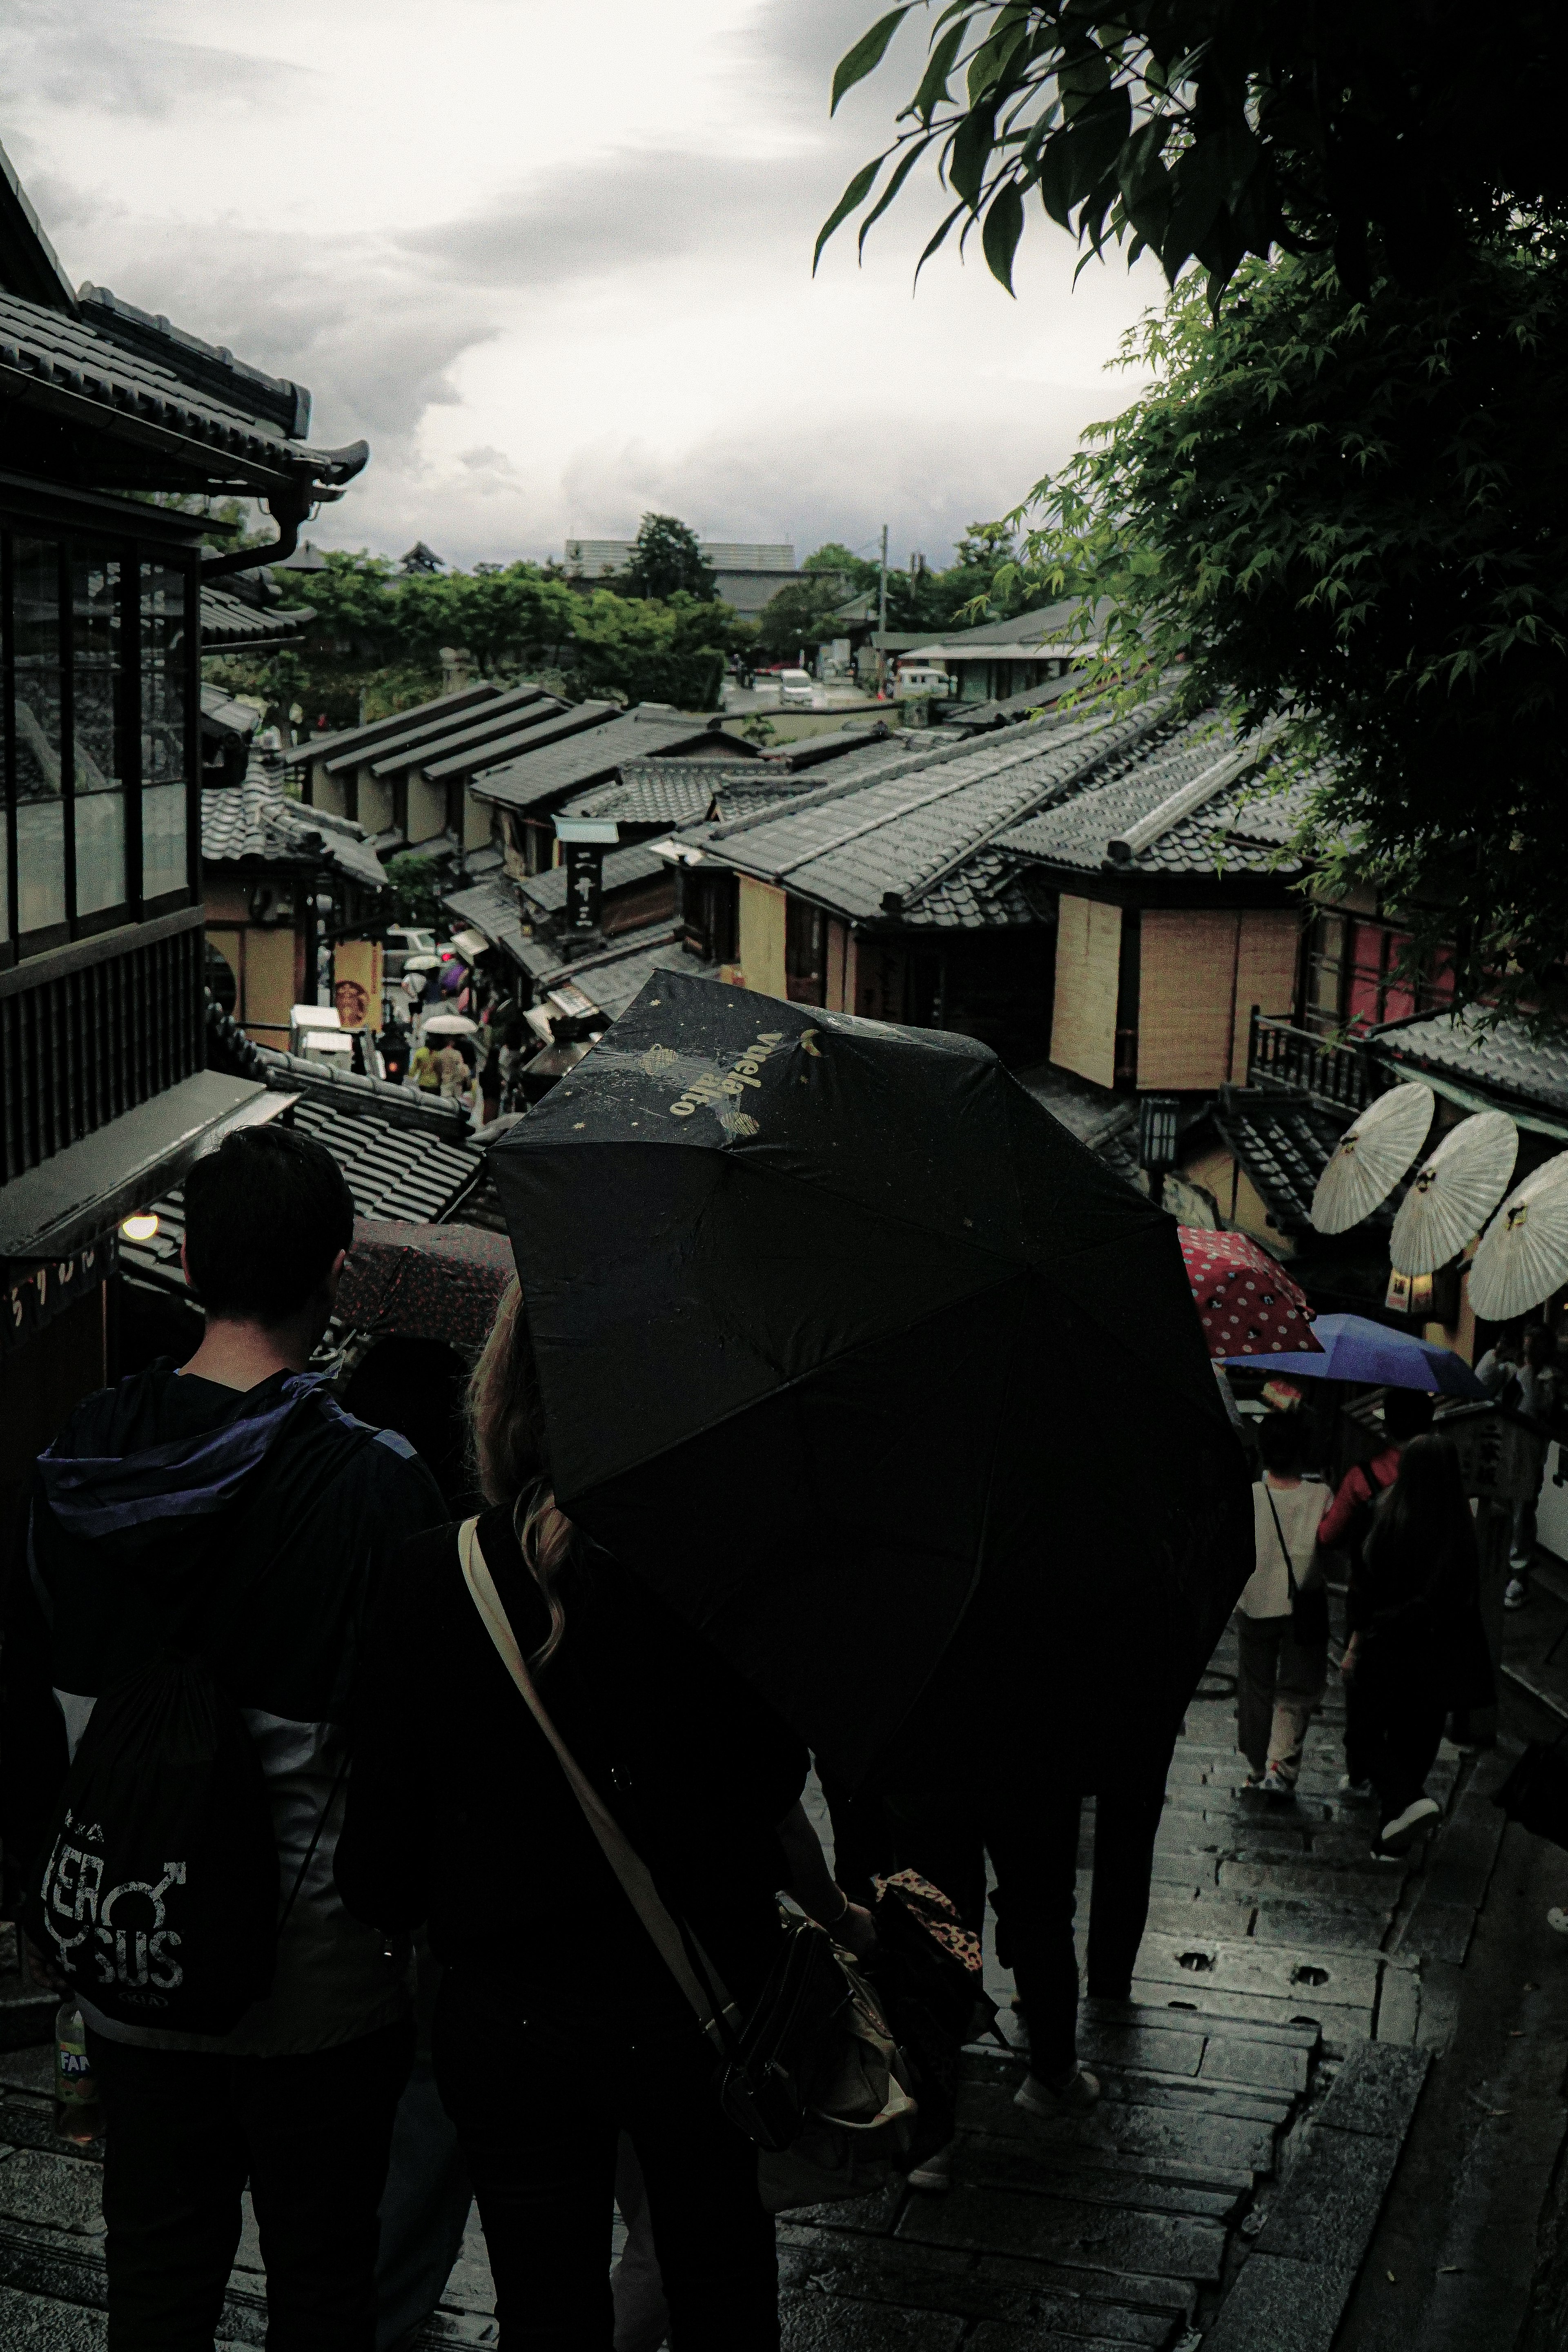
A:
x: 233, y: 1496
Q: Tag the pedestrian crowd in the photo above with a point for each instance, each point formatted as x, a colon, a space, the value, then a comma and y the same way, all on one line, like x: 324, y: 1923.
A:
x: 1416, y: 1658
x: 499, y: 1846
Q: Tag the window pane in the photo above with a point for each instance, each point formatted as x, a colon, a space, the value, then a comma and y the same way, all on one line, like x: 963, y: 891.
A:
x: 162, y: 839
x: 40, y: 815
x: 96, y: 657
x: 40, y: 863
x: 163, y: 677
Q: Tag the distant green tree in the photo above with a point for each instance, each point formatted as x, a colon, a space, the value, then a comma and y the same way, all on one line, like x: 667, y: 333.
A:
x: 651, y: 650
x: 857, y: 572
x: 416, y: 890
x: 666, y: 561
x: 800, y: 617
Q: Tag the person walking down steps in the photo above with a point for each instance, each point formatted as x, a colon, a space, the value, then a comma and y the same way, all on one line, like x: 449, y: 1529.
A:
x: 1282, y: 1617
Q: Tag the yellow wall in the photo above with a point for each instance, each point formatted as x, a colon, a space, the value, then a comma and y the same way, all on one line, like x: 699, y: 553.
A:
x: 376, y: 803
x: 838, y: 981
x: 1088, y: 963
x: 762, y: 942
x: 330, y: 792
x: 426, y: 807
x: 475, y: 822
x: 267, y: 982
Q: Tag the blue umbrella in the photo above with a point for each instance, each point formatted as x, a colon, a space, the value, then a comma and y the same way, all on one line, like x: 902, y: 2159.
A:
x: 1355, y: 1349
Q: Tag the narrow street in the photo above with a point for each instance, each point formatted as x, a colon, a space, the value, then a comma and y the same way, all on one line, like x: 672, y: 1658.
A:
x: 1330, y: 2111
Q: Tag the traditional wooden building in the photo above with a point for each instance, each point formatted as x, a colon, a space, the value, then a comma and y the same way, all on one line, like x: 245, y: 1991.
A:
x: 106, y: 1093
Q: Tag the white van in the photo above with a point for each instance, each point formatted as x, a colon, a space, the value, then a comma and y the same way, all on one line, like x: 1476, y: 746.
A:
x: 795, y: 688
x: 917, y: 677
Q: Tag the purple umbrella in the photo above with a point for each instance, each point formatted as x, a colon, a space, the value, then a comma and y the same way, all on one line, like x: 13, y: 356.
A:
x: 1356, y: 1350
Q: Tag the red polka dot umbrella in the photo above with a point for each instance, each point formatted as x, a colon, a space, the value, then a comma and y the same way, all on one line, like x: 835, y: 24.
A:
x: 1247, y: 1304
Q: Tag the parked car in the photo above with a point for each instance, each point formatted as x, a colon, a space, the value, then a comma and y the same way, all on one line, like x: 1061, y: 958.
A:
x: 403, y: 941
x: 795, y: 689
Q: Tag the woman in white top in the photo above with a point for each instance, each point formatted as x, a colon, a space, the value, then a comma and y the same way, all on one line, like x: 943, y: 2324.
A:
x: 1281, y: 1684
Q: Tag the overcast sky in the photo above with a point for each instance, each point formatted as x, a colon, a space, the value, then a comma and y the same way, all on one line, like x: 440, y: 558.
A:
x: 554, y: 261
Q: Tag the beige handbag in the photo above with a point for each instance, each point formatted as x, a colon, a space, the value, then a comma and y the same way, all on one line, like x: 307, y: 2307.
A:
x: 862, y: 2107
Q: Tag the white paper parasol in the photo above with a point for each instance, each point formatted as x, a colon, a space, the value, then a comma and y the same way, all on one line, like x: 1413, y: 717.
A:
x: 451, y: 1024
x: 1523, y: 1255
x: 1371, y: 1157
x: 1454, y: 1192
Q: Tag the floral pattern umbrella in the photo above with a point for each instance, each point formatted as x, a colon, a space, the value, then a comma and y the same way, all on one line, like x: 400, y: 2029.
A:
x: 1247, y: 1304
x: 424, y: 1281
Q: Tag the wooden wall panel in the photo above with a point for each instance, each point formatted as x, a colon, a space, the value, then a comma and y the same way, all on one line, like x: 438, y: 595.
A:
x: 762, y: 942
x: 1088, y: 962
x: 1186, y: 988
x: 1265, y: 974
x: 837, y: 966
x: 266, y: 986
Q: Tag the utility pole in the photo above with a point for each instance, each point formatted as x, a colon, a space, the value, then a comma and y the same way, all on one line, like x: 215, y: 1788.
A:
x: 882, y: 620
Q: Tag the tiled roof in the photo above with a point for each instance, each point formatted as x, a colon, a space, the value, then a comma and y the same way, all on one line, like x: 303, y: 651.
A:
x: 924, y: 845
x: 669, y: 790
x: 228, y: 620
x: 1498, y: 1058
x: 584, y: 760
x: 529, y: 742
x: 470, y: 733
x: 142, y: 381
x: 1087, y: 1111
x: 612, y: 977
x: 491, y: 908
x: 256, y: 820
x: 1284, y: 1147
x: 222, y: 715
x: 329, y: 744
x: 1200, y: 839
x: 1011, y: 708
x: 547, y: 891
x: 811, y: 751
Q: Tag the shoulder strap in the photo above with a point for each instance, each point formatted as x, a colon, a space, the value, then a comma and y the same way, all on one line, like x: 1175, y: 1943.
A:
x: 635, y: 1879
x: 1289, y: 1566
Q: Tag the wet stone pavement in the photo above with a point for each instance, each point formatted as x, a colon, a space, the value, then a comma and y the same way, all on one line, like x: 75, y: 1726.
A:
x: 1257, y: 2090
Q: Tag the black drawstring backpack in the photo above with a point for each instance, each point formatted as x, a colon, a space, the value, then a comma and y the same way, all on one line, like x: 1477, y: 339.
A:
x: 158, y: 1894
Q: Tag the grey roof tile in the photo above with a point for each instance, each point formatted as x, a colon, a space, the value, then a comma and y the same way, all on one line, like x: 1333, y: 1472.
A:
x: 1284, y: 1147
x: 667, y: 791
x: 490, y: 907
x: 930, y: 835
x: 255, y: 820
x: 228, y: 620
x: 529, y: 742
x: 1228, y: 832
x: 547, y: 891
x: 585, y: 759
x: 474, y: 732
x: 1498, y: 1058
x: 148, y: 381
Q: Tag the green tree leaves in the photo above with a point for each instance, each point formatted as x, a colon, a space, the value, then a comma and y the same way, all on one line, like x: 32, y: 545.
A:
x: 1215, y: 129
x: 667, y: 560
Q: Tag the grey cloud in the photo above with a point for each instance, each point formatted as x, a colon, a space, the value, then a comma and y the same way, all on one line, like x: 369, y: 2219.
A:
x: 78, y: 53
x: 635, y: 206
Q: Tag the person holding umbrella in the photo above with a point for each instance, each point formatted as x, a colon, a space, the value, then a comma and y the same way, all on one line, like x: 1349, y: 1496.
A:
x: 1418, y: 1647
x: 557, y: 2012
x: 1282, y: 1617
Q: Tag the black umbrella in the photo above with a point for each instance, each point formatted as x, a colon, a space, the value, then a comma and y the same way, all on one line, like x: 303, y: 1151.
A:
x: 835, y: 1326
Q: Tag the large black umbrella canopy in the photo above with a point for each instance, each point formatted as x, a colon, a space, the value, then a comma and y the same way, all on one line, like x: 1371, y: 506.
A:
x: 835, y: 1323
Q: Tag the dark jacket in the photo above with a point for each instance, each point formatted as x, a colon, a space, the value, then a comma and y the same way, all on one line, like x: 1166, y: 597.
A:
x: 250, y: 1528
x: 460, y: 1814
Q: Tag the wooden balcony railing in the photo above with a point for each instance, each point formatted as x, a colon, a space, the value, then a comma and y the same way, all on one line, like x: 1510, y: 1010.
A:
x: 92, y: 1030
x: 1278, y: 1055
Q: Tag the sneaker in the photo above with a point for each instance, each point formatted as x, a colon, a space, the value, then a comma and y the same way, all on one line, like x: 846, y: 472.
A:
x: 1399, y: 1834
x: 1274, y: 1784
x: 934, y: 2172
x: 1516, y: 1592
x: 1357, y: 1790
x: 1075, y: 2096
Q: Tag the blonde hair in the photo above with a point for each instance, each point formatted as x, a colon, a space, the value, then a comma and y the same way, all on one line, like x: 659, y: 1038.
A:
x: 506, y: 1422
